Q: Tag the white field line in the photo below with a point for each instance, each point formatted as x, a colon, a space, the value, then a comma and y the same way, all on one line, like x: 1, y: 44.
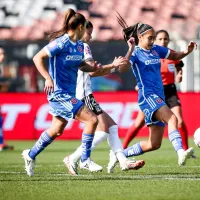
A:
x: 115, y: 177
x: 146, y: 166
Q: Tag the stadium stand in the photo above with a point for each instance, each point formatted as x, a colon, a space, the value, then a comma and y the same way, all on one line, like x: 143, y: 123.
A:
x: 32, y: 19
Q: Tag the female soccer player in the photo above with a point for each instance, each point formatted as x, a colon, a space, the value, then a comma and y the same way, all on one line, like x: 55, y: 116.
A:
x: 146, y: 68
x: 106, y: 127
x: 171, y: 97
x: 65, y: 52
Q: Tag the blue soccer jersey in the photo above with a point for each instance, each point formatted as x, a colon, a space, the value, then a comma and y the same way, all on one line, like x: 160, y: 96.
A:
x: 65, y: 57
x: 146, y: 68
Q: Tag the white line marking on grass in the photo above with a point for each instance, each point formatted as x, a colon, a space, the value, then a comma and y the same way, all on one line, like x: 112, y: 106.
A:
x: 120, y: 177
x: 170, y: 166
x: 147, y: 166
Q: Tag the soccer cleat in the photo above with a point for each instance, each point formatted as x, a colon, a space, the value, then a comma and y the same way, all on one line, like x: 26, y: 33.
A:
x: 193, y: 155
x: 5, y: 147
x: 71, y: 166
x: 29, y: 162
x: 132, y: 165
x: 185, y: 155
x: 112, y: 163
x: 90, y: 165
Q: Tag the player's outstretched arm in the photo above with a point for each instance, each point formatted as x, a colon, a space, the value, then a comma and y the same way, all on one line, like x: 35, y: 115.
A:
x: 110, y: 68
x: 180, y: 55
x: 90, y: 66
x: 38, y: 60
x: 131, y: 45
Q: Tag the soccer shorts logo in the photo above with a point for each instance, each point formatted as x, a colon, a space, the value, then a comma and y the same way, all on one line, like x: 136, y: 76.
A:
x: 159, y: 100
x: 73, y: 101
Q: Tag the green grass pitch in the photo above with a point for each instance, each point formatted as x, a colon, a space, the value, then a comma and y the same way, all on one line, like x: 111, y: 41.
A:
x: 160, y: 179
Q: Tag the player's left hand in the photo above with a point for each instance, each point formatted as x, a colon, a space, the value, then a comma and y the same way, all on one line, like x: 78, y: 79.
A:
x: 131, y: 44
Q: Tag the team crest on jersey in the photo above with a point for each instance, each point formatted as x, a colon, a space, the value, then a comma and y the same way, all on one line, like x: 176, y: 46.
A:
x: 74, y: 100
x: 155, y: 53
x: 171, y: 67
x: 159, y: 100
x: 87, y: 50
x: 80, y: 49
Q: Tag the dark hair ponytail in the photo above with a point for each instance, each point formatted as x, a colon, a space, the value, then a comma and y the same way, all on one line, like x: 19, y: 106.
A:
x: 132, y: 31
x: 71, y: 22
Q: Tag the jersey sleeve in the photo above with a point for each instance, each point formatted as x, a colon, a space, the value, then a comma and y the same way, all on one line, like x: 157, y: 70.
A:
x: 163, y: 51
x: 87, y: 53
x: 54, y: 47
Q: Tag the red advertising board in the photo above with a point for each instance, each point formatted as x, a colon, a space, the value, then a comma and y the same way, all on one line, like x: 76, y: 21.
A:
x: 26, y: 115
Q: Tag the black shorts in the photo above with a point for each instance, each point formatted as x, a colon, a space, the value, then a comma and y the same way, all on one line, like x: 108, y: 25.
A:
x: 91, y: 103
x: 171, y: 96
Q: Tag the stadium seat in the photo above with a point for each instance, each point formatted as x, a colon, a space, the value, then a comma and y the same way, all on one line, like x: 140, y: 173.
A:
x: 102, y: 13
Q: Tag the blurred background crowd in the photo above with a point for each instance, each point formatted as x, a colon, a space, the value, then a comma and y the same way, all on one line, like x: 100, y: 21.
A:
x: 24, y: 25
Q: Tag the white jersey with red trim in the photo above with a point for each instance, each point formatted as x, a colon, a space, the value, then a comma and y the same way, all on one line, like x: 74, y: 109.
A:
x: 84, y: 87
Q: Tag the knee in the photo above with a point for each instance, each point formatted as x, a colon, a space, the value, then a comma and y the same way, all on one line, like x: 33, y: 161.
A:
x: 56, y: 131
x: 180, y: 123
x: 173, y: 120
x: 93, y: 120
x: 155, y: 146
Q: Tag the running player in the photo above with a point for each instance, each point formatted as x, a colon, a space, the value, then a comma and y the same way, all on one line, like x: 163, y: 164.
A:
x: 146, y: 68
x: 171, y: 97
x: 65, y: 52
x: 106, y: 128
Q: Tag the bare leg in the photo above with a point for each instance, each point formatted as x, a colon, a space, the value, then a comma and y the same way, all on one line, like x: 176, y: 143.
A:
x: 134, y: 129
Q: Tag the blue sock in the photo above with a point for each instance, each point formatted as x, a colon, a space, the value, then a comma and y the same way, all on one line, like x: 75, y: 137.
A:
x: 175, y: 139
x: 1, y: 130
x: 134, y: 150
x: 40, y: 145
x: 86, y: 146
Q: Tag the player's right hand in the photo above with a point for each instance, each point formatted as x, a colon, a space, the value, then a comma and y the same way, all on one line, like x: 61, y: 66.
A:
x: 49, y: 86
x: 136, y: 88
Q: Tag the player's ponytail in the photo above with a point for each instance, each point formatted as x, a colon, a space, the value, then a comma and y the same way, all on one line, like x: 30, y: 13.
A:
x: 132, y: 31
x: 68, y: 16
x: 71, y: 21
